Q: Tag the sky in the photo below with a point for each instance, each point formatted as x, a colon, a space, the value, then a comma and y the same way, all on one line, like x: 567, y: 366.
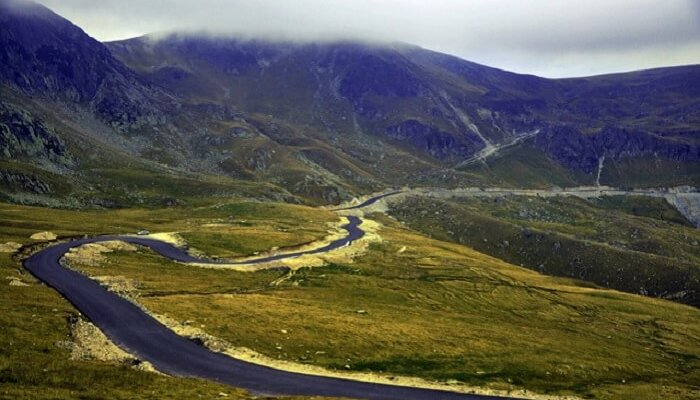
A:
x: 552, y: 38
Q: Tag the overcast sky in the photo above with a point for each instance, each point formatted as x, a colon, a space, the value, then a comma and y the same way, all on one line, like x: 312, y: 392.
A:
x: 553, y: 38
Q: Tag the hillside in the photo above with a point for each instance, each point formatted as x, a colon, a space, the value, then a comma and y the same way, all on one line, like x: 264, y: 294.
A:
x: 633, y: 244
x: 84, y: 122
x: 403, y: 223
x: 444, y: 110
x: 407, y: 307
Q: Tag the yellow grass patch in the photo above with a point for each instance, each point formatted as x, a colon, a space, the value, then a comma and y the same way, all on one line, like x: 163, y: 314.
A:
x: 43, y: 236
x: 343, y: 254
x: 93, y: 253
x: 193, y: 330
x: 9, y: 247
x: 173, y: 238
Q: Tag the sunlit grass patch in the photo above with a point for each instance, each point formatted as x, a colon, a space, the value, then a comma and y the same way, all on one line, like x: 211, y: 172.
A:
x: 438, y: 311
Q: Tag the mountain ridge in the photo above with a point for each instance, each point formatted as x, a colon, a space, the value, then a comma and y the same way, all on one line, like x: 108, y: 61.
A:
x: 327, y: 121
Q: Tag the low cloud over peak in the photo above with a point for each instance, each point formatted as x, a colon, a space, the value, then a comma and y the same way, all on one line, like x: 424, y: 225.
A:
x: 562, y: 38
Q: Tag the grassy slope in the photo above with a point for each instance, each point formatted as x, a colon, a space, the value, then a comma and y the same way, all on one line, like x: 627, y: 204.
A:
x: 109, y: 171
x: 526, y: 167
x: 34, y: 318
x: 636, y: 245
x: 19, y: 222
x: 650, y: 172
x: 440, y: 311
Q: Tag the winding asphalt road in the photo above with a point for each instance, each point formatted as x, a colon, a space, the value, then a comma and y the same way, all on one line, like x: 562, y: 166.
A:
x: 146, y: 338
x: 369, y: 201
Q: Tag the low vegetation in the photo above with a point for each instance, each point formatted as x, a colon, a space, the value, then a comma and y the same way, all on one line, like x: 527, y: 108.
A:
x: 35, y: 321
x: 426, y: 308
x: 208, y: 216
x: 639, y: 245
x: 409, y: 306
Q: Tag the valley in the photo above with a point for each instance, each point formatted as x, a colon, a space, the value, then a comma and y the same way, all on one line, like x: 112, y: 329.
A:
x: 192, y: 214
x: 328, y: 122
x: 406, y: 274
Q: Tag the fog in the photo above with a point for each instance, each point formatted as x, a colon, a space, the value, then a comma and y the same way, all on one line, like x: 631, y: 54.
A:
x: 543, y: 37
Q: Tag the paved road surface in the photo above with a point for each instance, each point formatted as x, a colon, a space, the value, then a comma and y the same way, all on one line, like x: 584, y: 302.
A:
x: 369, y: 201
x: 146, y: 338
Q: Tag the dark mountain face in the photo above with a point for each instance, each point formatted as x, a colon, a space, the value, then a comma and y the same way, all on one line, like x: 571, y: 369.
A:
x: 344, y: 87
x: 46, y: 55
x: 326, y: 120
x: 23, y: 137
x: 583, y: 152
x: 372, y: 74
x: 434, y: 104
x: 43, y: 53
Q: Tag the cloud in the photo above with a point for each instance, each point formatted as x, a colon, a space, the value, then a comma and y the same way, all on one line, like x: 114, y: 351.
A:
x: 551, y: 38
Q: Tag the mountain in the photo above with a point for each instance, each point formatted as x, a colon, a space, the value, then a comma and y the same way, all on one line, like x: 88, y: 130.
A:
x: 99, y: 123
x: 411, y: 99
x: 43, y: 54
x: 450, y: 110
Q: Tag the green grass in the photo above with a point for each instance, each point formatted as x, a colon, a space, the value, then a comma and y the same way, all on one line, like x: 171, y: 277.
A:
x: 34, y: 318
x: 651, y: 207
x: 19, y: 222
x: 438, y: 311
x: 633, y: 244
x: 526, y: 167
x: 650, y: 171
x: 434, y: 310
x: 57, y: 183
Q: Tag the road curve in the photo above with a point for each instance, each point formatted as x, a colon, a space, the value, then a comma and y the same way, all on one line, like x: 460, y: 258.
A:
x: 141, y: 335
x: 369, y: 201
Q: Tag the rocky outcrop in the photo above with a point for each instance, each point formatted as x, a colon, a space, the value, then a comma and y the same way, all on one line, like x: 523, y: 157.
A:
x: 687, y: 202
x: 19, y: 182
x: 9, y: 247
x: 582, y: 152
x: 43, y: 236
x: 431, y: 140
x: 46, y: 55
x: 317, y: 186
x: 22, y: 135
x: 260, y: 159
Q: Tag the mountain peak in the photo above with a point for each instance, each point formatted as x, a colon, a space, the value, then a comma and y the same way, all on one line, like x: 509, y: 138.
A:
x: 26, y: 8
x: 43, y: 52
x: 316, y: 117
